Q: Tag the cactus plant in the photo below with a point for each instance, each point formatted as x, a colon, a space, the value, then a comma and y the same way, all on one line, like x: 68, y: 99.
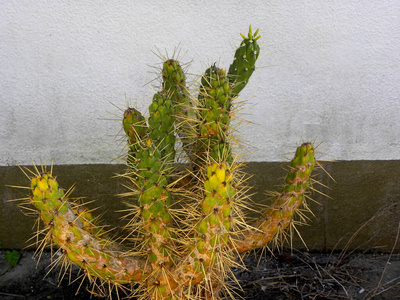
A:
x: 185, y: 251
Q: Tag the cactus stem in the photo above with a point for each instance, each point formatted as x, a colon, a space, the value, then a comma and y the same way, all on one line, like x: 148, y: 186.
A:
x: 73, y: 229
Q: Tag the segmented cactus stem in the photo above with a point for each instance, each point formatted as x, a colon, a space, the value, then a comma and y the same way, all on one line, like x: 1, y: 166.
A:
x: 134, y: 125
x: 174, y: 85
x: 214, y: 117
x: 292, y: 196
x: 161, y: 126
x: 154, y: 201
x: 99, y: 257
x: 244, y: 62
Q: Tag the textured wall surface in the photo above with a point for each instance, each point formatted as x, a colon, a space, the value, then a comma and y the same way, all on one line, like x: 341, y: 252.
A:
x: 330, y: 72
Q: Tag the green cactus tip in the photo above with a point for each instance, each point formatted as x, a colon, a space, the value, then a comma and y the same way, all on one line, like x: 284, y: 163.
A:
x: 251, y: 36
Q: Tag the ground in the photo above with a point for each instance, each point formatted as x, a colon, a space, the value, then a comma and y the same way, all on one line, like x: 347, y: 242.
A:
x: 285, y: 275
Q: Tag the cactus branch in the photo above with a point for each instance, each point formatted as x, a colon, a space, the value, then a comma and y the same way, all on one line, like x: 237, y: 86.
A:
x: 279, y: 215
x: 99, y: 257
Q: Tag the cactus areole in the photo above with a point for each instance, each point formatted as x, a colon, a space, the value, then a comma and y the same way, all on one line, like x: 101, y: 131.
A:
x: 188, y: 221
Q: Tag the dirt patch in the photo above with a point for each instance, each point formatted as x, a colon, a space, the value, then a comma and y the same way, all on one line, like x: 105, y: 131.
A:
x: 287, y: 275
x: 301, y: 275
x: 33, y: 279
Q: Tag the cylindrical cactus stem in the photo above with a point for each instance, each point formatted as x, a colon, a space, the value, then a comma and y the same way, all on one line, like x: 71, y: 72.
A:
x: 244, y: 62
x: 99, y: 257
x: 214, y: 116
x: 134, y: 125
x: 161, y: 126
x: 280, y: 214
x: 154, y: 201
x: 154, y: 154
x: 210, y: 255
x: 174, y: 79
x: 174, y: 84
x: 156, y: 224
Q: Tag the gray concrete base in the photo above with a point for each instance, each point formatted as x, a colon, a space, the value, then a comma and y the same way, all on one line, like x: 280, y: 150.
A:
x: 365, y: 200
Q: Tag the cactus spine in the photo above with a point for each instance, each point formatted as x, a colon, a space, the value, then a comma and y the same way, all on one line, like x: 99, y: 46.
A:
x: 184, y: 252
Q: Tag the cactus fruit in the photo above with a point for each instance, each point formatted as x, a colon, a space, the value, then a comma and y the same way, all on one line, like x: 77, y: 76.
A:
x: 185, y: 251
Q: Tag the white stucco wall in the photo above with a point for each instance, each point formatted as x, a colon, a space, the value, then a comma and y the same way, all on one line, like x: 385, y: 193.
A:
x: 331, y: 72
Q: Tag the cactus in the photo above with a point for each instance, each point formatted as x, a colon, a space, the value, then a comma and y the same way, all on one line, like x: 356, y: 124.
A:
x: 184, y: 251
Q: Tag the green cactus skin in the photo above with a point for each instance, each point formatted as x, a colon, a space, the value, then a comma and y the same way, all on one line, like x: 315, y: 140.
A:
x: 99, y: 257
x: 161, y: 126
x: 174, y: 82
x: 212, y: 231
x: 214, y: 116
x: 160, y: 129
x: 134, y: 125
x: 153, y: 164
x: 292, y: 196
x: 244, y: 62
x: 154, y: 161
x: 154, y: 201
x: 204, y: 265
x: 210, y: 256
x: 174, y: 78
x: 174, y: 85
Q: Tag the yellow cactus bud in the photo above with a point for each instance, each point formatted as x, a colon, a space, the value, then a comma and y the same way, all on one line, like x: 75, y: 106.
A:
x: 37, y: 193
x: 34, y: 182
x: 214, y: 182
x: 42, y: 184
x: 53, y: 184
x: 220, y: 172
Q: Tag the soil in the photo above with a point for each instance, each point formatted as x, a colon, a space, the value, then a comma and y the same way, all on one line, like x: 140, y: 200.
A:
x: 286, y: 275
